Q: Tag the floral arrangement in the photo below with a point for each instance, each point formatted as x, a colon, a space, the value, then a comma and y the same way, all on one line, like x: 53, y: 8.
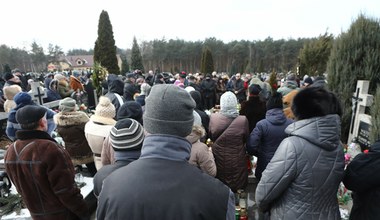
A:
x: 350, y: 152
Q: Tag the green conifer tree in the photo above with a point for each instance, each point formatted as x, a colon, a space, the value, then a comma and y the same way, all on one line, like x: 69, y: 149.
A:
x: 6, y: 68
x: 105, y: 49
x: 355, y: 56
x: 207, y: 62
x: 136, y: 58
x: 375, y: 120
x: 315, y: 54
x: 124, y: 65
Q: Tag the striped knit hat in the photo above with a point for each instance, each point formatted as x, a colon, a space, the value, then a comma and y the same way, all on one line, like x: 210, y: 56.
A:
x: 127, y: 135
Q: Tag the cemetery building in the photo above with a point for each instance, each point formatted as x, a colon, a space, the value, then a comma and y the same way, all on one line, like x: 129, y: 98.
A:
x: 76, y: 63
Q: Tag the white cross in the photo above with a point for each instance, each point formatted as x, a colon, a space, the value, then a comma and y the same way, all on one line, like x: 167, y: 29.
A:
x: 37, y: 93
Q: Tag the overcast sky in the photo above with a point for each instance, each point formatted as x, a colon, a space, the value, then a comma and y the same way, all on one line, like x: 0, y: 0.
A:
x: 73, y: 24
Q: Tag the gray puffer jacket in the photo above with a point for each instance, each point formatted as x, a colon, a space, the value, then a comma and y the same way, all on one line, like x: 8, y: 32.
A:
x: 302, y: 179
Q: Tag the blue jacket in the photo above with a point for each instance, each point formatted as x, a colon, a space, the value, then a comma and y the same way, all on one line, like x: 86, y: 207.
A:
x: 13, y: 125
x: 52, y: 94
x: 266, y: 137
x: 164, y: 185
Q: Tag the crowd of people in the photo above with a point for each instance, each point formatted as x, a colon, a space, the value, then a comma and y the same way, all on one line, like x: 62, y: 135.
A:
x: 181, y: 148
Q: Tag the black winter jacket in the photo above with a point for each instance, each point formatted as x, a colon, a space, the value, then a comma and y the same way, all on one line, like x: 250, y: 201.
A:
x: 362, y: 176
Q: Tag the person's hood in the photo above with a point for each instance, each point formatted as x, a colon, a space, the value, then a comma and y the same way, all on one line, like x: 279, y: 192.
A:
x: 291, y: 84
x: 275, y: 116
x: 71, y: 118
x: 321, y: 131
x: 115, y: 84
x: 47, y: 82
x: 196, y: 134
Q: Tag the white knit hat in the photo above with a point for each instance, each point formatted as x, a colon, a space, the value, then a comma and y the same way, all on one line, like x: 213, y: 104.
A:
x: 104, y: 112
x: 59, y: 76
x: 145, y: 88
x: 197, y: 119
x: 229, y: 104
x: 228, y: 101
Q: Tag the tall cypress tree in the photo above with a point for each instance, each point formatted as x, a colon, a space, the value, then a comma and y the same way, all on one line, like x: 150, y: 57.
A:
x: 105, y: 49
x: 375, y: 109
x: 136, y: 58
x: 355, y: 56
x: 207, y: 62
x: 6, y: 68
x: 124, y: 65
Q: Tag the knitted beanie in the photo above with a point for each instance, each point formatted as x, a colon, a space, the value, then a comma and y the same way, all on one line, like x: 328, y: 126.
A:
x: 197, y: 119
x: 275, y: 101
x: 130, y: 109
x: 308, y: 81
x: 145, y: 89
x: 8, y: 76
x: 22, y: 98
x: 67, y: 105
x: 126, y: 135
x: 59, y: 76
x: 228, y: 101
x: 104, y: 112
x: 169, y: 110
x: 189, y: 89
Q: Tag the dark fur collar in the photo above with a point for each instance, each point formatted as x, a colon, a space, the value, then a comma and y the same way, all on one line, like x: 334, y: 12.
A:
x: 33, y: 134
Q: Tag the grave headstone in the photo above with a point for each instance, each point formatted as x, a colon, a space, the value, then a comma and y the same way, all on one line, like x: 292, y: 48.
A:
x: 363, y: 134
x: 360, y: 122
x: 37, y: 93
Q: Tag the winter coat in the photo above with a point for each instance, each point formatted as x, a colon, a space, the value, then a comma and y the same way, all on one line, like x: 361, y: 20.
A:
x: 64, y: 89
x: 52, y: 93
x: 141, y: 100
x: 129, y: 90
x: 164, y: 186
x: 89, y: 88
x: 201, y: 156
x: 195, y: 86
x: 107, y: 156
x: 115, y: 86
x: 200, y: 110
x: 13, y: 125
x: 362, y: 176
x: 44, y: 176
x: 266, y: 137
x: 96, y: 131
x: 254, y: 109
x: 104, y: 172
x: 229, y: 136
x: 238, y: 90
x: 208, y: 88
x: 289, y: 86
x: 220, y: 89
x: 208, y: 91
x: 70, y: 126
x: 302, y: 179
